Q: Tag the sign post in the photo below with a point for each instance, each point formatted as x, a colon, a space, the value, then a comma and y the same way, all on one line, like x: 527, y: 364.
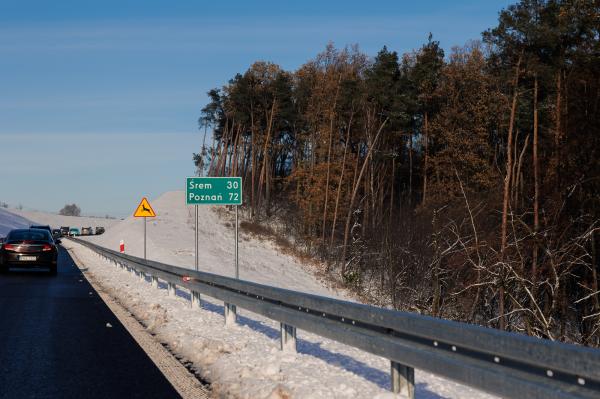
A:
x: 196, y: 240
x: 215, y: 191
x: 144, y: 210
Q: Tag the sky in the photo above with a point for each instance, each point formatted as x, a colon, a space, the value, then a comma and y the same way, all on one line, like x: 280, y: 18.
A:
x: 99, y: 100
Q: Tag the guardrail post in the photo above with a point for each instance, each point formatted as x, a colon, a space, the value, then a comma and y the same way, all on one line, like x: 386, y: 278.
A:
x: 230, y: 314
x: 195, y: 302
x: 403, y: 380
x: 172, y: 289
x: 288, y: 337
x: 154, y: 281
x: 142, y: 275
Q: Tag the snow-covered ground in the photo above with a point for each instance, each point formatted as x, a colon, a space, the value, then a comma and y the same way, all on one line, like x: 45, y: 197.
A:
x: 9, y: 221
x: 55, y: 220
x: 242, y: 361
x: 170, y: 239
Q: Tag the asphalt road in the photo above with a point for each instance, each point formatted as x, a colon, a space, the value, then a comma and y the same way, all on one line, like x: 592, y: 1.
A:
x: 55, y: 343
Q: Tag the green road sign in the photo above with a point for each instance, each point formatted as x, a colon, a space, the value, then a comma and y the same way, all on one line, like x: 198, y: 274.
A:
x: 213, y: 191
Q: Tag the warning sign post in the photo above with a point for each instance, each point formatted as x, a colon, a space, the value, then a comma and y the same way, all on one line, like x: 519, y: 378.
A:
x: 144, y: 210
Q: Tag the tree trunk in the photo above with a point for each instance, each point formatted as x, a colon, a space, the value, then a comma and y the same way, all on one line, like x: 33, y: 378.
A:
x: 340, y: 182
x: 265, y: 165
x: 392, y: 190
x: 353, y: 197
x: 426, y: 139
x: 410, y: 168
x: 253, y: 162
x: 509, y: 153
x: 536, y: 189
x: 331, y: 120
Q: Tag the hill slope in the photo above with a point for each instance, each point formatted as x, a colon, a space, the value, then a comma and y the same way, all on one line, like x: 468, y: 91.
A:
x: 9, y: 221
x: 171, y: 240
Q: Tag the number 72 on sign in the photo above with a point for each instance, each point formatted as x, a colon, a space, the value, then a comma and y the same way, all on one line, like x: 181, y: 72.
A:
x: 213, y: 191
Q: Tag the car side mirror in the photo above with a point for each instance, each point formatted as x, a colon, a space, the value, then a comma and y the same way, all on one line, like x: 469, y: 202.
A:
x: 58, y: 241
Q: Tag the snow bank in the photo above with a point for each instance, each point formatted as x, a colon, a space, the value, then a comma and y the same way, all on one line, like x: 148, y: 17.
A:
x: 244, y: 361
x: 9, y: 221
x: 171, y: 240
x: 55, y: 221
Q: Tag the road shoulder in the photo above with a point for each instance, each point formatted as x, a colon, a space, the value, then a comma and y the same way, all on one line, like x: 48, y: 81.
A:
x: 184, y: 382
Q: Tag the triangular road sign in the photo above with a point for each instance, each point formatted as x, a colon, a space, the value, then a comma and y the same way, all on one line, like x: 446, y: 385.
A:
x: 144, y: 210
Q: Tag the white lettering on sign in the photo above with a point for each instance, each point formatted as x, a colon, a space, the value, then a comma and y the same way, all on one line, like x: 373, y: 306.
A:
x: 200, y: 186
x: 202, y: 197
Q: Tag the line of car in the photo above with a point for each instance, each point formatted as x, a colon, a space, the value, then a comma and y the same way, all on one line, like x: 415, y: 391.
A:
x: 36, y: 247
x: 75, y: 231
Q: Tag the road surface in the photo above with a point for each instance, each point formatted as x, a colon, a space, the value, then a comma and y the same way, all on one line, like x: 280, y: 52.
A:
x: 55, y: 342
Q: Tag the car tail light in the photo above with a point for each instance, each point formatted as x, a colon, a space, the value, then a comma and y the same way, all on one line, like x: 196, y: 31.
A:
x: 47, y: 247
x: 9, y: 247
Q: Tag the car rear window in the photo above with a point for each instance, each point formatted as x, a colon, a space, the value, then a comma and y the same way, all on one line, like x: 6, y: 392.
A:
x: 33, y: 235
x: 40, y: 227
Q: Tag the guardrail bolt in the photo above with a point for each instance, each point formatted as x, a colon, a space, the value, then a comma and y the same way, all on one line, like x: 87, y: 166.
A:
x: 230, y: 314
x: 288, y: 338
x: 403, y: 380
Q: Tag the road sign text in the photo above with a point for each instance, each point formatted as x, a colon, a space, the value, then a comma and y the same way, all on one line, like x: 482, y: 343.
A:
x: 213, y: 191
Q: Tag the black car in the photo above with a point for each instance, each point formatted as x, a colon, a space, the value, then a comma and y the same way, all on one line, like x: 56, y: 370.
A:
x: 64, y: 231
x: 29, y: 248
x: 99, y: 230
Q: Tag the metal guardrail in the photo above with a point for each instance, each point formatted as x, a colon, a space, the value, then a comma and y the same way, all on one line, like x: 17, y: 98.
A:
x: 505, y: 364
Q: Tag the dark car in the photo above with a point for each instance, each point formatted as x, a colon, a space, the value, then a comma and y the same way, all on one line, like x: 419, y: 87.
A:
x: 28, y: 248
x: 64, y: 231
x: 56, y: 233
x: 99, y: 230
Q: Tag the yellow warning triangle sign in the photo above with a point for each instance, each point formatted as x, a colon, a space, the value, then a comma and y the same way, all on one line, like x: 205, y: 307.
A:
x: 144, y: 210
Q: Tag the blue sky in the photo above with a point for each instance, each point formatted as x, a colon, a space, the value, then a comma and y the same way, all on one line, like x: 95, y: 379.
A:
x: 99, y: 100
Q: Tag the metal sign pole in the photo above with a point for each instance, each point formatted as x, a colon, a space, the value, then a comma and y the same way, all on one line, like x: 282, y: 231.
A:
x: 144, y: 238
x: 196, y: 235
x: 237, y: 266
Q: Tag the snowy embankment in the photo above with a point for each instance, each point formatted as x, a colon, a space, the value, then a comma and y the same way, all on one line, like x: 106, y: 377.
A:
x: 170, y: 239
x: 55, y: 220
x: 243, y: 361
x: 9, y: 221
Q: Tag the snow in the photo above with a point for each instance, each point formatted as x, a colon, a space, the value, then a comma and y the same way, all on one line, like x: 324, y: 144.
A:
x: 241, y: 361
x: 170, y: 239
x: 55, y: 220
x: 244, y: 361
x: 9, y: 221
